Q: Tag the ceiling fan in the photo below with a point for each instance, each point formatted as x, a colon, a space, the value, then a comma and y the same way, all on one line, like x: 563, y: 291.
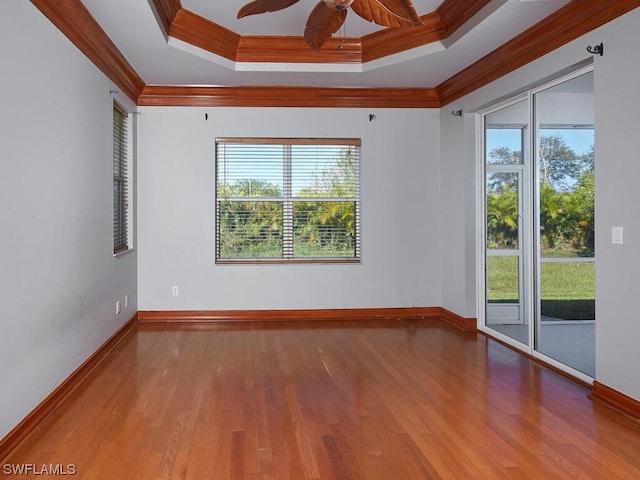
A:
x: 328, y: 15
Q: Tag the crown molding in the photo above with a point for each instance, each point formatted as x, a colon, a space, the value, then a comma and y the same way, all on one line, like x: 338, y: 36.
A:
x: 276, y: 96
x: 454, y: 14
x: 291, y: 49
x: 166, y: 11
x: 74, y: 20
x: 568, y: 23
x: 390, y: 41
x: 200, y: 32
x: 575, y: 19
x: 209, y: 36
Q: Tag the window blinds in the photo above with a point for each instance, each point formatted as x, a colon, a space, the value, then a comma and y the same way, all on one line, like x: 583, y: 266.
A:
x: 287, y: 200
x: 120, y: 146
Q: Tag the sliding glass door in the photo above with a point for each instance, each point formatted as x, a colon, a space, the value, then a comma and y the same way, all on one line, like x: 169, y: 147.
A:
x: 505, y: 182
x: 565, y: 323
x: 539, y: 251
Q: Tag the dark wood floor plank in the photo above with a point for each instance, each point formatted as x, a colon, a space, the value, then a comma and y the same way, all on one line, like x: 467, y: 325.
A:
x: 374, y: 400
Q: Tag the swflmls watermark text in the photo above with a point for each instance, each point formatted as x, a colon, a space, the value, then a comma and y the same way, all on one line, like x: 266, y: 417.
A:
x: 43, y: 469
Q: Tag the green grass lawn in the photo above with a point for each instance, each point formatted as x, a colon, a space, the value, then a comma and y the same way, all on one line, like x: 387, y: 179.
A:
x: 568, y: 281
x: 568, y: 289
x: 559, y: 281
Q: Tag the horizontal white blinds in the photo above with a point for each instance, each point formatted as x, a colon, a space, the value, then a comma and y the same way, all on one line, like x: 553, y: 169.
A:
x: 287, y: 199
x: 120, y: 145
x: 250, y: 170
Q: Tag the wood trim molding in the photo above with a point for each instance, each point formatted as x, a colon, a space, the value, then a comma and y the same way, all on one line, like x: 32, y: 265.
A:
x: 74, y: 20
x: 288, y: 49
x: 21, y: 431
x: 466, y: 324
x: 569, y: 22
x: 575, y: 19
x: 218, y: 316
x: 276, y: 96
x: 630, y: 407
x: 166, y: 11
x: 202, y: 33
x: 454, y: 14
x: 221, y: 316
x: 395, y: 40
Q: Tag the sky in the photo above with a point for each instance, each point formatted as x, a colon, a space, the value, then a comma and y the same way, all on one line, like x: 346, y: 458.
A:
x: 579, y: 140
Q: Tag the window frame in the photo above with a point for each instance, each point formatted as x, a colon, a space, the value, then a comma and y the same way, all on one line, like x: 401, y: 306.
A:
x: 121, y: 200
x: 288, y: 198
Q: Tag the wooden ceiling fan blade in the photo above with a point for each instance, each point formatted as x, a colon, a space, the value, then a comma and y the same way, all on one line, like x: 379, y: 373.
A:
x: 322, y: 23
x: 264, y: 6
x: 390, y: 13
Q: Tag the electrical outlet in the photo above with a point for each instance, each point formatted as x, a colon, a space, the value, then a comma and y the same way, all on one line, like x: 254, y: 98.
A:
x: 118, y: 307
x: 175, y: 290
x: 126, y: 301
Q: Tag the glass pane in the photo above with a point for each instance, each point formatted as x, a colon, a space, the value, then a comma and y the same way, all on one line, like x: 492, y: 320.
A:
x: 324, y: 171
x: 567, y: 290
x: 503, y: 279
x: 504, y: 146
x: 250, y: 170
x: 250, y: 229
x: 504, y: 311
x: 565, y: 158
x: 502, y: 211
x: 505, y: 131
x: 324, y: 229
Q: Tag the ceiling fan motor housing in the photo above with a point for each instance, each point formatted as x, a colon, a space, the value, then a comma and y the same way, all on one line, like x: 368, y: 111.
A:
x: 338, y: 4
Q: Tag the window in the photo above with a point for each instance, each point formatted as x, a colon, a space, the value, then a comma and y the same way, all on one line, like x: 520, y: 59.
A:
x: 120, y: 147
x: 287, y: 200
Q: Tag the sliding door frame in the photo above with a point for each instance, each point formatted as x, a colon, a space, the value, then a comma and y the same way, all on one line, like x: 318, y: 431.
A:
x: 530, y: 225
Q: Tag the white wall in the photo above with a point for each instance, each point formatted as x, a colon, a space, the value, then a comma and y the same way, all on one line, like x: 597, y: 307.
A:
x: 400, y: 195
x: 454, y: 207
x: 617, y: 76
x: 59, y: 280
x: 617, y: 103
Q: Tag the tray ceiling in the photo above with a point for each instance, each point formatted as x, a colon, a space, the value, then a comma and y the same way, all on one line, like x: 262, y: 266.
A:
x: 160, y: 59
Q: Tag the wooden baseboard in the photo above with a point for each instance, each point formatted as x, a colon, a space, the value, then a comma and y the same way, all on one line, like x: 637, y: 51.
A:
x: 217, y: 316
x: 467, y: 324
x: 630, y: 407
x: 21, y: 431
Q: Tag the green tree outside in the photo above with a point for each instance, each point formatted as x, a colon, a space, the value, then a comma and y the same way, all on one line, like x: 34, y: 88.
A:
x: 324, y: 214
x: 566, y: 206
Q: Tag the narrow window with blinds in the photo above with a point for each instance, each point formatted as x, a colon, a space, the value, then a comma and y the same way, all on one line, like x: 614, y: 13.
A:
x: 287, y: 200
x: 120, y: 147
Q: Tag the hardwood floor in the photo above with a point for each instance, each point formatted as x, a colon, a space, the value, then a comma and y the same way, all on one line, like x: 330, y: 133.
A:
x: 329, y: 400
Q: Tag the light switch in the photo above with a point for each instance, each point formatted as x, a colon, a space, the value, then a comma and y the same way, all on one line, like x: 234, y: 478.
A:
x: 617, y: 235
